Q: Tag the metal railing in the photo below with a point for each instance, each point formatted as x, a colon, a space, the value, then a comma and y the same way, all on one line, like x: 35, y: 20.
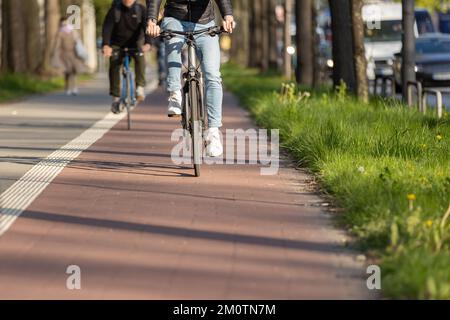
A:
x: 419, y: 91
x: 438, y: 95
x: 417, y: 95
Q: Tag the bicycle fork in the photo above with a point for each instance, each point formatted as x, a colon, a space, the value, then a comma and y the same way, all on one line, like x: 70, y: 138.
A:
x: 196, y: 105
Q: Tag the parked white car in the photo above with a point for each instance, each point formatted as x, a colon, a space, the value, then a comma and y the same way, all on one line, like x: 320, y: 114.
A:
x: 383, y: 34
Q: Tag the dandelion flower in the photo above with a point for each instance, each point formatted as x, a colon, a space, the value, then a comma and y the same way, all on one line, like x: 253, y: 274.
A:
x: 412, y: 197
x: 429, y: 223
x: 439, y: 137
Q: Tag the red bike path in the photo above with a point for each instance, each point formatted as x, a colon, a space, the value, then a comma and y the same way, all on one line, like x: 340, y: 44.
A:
x: 141, y: 227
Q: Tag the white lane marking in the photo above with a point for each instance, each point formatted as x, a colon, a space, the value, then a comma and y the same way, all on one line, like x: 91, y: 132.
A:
x: 15, y: 200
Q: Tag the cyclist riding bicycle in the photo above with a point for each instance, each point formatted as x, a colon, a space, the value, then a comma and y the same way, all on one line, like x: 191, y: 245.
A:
x: 124, y: 27
x: 193, y: 15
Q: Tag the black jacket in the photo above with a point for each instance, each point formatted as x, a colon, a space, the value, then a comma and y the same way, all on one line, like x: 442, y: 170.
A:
x: 198, y: 11
x: 129, y: 31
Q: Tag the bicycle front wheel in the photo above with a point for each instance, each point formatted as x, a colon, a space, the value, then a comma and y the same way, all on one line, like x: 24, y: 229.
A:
x: 196, y: 125
x: 128, y: 100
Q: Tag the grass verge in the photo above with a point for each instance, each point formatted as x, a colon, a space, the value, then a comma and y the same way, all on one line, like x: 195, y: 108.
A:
x: 387, y: 166
x: 15, y: 86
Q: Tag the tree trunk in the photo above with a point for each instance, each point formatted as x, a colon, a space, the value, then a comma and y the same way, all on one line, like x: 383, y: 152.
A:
x: 265, y: 35
x: 89, y: 34
x: 52, y: 16
x: 1, y: 35
x: 408, y: 59
x: 32, y: 34
x: 16, y: 59
x: 273, y: 32
x: 362, y: 84
x: 344, y: 66
x: 317, y: 79
x: 240, y: 39
x: 305, y: 43
x: 256, y: 41
x: 287, y: 38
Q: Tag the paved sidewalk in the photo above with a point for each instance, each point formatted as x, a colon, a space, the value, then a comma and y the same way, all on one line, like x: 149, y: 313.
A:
x: 140, y: 227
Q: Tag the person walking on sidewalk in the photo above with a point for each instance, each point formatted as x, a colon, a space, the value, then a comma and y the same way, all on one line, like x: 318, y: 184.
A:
x: 124, y: 27
x: 182, y: 15
x: 65, y: 56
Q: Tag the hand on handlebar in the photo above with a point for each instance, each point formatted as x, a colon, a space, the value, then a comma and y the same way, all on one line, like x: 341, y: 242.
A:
x: 229, y: 24
x: 107, y: 51
x: 153, y: 29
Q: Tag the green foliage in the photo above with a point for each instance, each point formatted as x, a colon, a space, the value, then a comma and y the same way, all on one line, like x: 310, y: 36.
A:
x: 430, y: 4
x: 386, y: 165
x: 14, y: 86
x: 101, y: 9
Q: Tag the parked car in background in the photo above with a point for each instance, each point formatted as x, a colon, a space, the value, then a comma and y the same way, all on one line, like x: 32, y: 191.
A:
x: 432, y: 60
x: 444, y: 22
x: 383, y: 40
x: 424, y: 22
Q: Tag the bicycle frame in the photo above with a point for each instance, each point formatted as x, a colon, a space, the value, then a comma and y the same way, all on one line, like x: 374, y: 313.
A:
x: 193, y: 73
x: 128, y: 95
x: 127, y: 71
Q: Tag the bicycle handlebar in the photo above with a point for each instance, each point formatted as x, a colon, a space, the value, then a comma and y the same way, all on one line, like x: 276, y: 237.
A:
x: 212, y: 31
x: 130, y: 51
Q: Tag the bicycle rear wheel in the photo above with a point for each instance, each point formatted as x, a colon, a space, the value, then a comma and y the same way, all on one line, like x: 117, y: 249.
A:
x: 196, y: 125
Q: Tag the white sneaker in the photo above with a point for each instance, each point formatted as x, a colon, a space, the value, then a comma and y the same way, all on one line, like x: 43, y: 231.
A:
x: 214, y: 146
x: 175, y: 100
x: 140, y: 94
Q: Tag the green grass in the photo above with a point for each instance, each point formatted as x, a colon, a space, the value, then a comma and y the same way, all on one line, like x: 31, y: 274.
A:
x: 369, y: 159
x: 14, y: 86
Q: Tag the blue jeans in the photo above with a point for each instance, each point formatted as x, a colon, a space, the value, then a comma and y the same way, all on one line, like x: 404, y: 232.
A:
x: 209, y: 55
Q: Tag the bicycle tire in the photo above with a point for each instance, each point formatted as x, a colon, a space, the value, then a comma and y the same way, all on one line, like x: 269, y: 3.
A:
x: 196, y: 126
x: 128, y: 99
x: 185, y: 114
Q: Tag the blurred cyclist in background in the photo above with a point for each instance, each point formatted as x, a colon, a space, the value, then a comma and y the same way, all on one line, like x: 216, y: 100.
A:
x: 124, y: 27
